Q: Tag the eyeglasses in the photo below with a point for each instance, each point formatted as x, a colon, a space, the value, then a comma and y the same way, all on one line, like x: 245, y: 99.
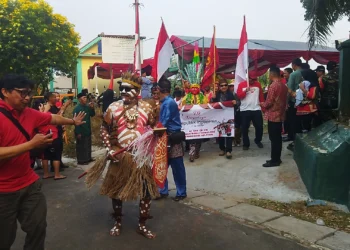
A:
x: 24, y: 92
x: 126, y: 89
x: 224, y: 85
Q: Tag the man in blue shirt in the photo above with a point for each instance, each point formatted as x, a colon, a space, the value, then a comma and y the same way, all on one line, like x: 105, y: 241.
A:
x: 170, y: 119
x: 146, y: 87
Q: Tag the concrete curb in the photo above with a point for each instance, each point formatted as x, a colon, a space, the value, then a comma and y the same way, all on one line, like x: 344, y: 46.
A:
x: 307, y: 233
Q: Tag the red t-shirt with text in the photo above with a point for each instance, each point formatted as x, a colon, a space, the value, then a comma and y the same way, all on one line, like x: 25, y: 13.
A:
x: 16, y: 172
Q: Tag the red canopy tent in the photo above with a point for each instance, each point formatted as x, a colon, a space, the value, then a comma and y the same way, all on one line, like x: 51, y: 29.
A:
x: 262, y: 53
x: 104, y: 70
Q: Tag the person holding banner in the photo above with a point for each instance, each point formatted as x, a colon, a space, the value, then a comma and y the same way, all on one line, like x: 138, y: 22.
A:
x: 194, y: 97
x: 224, y: 95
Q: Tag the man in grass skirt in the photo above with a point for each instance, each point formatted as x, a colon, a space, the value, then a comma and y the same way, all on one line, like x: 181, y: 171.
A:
x: 125, y: 122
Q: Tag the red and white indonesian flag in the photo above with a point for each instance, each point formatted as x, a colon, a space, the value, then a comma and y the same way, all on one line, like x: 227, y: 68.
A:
x: 162, y: 55
x: 242, y: 60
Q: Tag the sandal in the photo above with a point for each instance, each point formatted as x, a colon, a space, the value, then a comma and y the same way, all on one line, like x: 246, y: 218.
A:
x: 179, y: 198
x: 60, y: 178
x: 48, y: 177
x: 146, y: 233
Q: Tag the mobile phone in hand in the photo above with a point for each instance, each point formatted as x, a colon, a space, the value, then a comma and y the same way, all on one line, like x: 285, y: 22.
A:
x: 49, y: 132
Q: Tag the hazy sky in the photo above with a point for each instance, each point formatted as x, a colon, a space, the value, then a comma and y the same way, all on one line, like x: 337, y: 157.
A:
x: 268, y: 19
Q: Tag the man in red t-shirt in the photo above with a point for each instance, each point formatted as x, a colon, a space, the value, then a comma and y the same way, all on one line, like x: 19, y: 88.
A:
x: 20, y: 191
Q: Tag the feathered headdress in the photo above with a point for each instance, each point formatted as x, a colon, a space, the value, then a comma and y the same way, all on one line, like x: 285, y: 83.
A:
x: 132, y: 79
x: 193, y: 74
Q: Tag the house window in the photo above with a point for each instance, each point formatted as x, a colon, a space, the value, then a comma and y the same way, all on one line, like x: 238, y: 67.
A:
x: 99, y: 46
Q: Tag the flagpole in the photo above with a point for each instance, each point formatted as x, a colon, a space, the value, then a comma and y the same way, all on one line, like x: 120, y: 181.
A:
x: 214, y: 75
x: 137, y: 63
x: 247, y: 56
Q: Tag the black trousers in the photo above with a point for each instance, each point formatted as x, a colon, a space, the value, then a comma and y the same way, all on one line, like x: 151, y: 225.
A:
x: 291, y: 118
x: 275, y: 135
x: 83, y: 148
x: 303, y: 122
x: 257, y: 119
x: 225, y: 144
x: 286, y: 125
x: 28, y: 207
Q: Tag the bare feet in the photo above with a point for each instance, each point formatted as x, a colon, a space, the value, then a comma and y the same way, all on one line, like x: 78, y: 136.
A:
x: 60, y: 177
x: 48, y: 177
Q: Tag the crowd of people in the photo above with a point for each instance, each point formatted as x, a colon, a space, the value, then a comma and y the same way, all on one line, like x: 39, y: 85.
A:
x: 310, y: 100
x: 297, y: 100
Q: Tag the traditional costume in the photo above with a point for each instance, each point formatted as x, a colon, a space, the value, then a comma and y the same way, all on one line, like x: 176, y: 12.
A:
x: 194, y: 97
x: 125, y: 122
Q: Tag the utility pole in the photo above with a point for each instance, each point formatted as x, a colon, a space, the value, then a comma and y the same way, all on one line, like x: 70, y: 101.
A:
x: 137, y: 55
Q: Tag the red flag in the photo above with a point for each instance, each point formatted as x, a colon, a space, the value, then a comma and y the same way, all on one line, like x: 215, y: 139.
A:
x: 162, y: 55
x: 111, y: 81
x: 242, y: 59
x: 212, y: 63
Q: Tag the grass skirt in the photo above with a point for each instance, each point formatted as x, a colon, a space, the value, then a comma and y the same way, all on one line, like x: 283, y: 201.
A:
x: 124, y: 180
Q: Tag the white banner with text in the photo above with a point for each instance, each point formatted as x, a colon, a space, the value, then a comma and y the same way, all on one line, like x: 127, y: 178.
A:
x: 208, y: 120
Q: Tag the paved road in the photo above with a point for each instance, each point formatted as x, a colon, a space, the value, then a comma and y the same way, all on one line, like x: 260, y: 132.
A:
x: 79, y: 219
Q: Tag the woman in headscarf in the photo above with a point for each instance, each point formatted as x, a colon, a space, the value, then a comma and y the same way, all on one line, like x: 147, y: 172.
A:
x: 307, y: 109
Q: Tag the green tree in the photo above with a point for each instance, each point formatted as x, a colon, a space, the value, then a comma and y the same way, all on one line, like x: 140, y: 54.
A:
x: 36, y: 42
x: 322, y: 15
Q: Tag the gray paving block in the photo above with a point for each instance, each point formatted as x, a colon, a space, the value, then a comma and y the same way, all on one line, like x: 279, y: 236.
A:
x: 299, y: 228
x: 339, y: 241
x: 171, y: 186
x: 190, y: 193
x: 214, y: 202
x: 194, y: 193
x: 252, y: 213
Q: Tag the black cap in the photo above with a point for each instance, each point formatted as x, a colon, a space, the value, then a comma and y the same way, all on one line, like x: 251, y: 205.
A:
x: 331, y: 65
x: 80, y: 95
x: 320, y: 69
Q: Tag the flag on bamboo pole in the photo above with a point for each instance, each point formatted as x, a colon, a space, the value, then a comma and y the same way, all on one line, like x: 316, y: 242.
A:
x: 212, y: 63
x: 242, y: 59
x: 196, y: 58
x: 111, y: 82
x: 162, y: 55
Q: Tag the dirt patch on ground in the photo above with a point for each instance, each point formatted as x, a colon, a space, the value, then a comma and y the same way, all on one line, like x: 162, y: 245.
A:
x: 332, y: 216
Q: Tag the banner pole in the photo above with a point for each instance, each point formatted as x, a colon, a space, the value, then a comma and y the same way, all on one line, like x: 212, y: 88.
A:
x: 214, y: 75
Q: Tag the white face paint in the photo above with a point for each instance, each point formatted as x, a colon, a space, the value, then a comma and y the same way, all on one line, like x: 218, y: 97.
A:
x: 132, y: 93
